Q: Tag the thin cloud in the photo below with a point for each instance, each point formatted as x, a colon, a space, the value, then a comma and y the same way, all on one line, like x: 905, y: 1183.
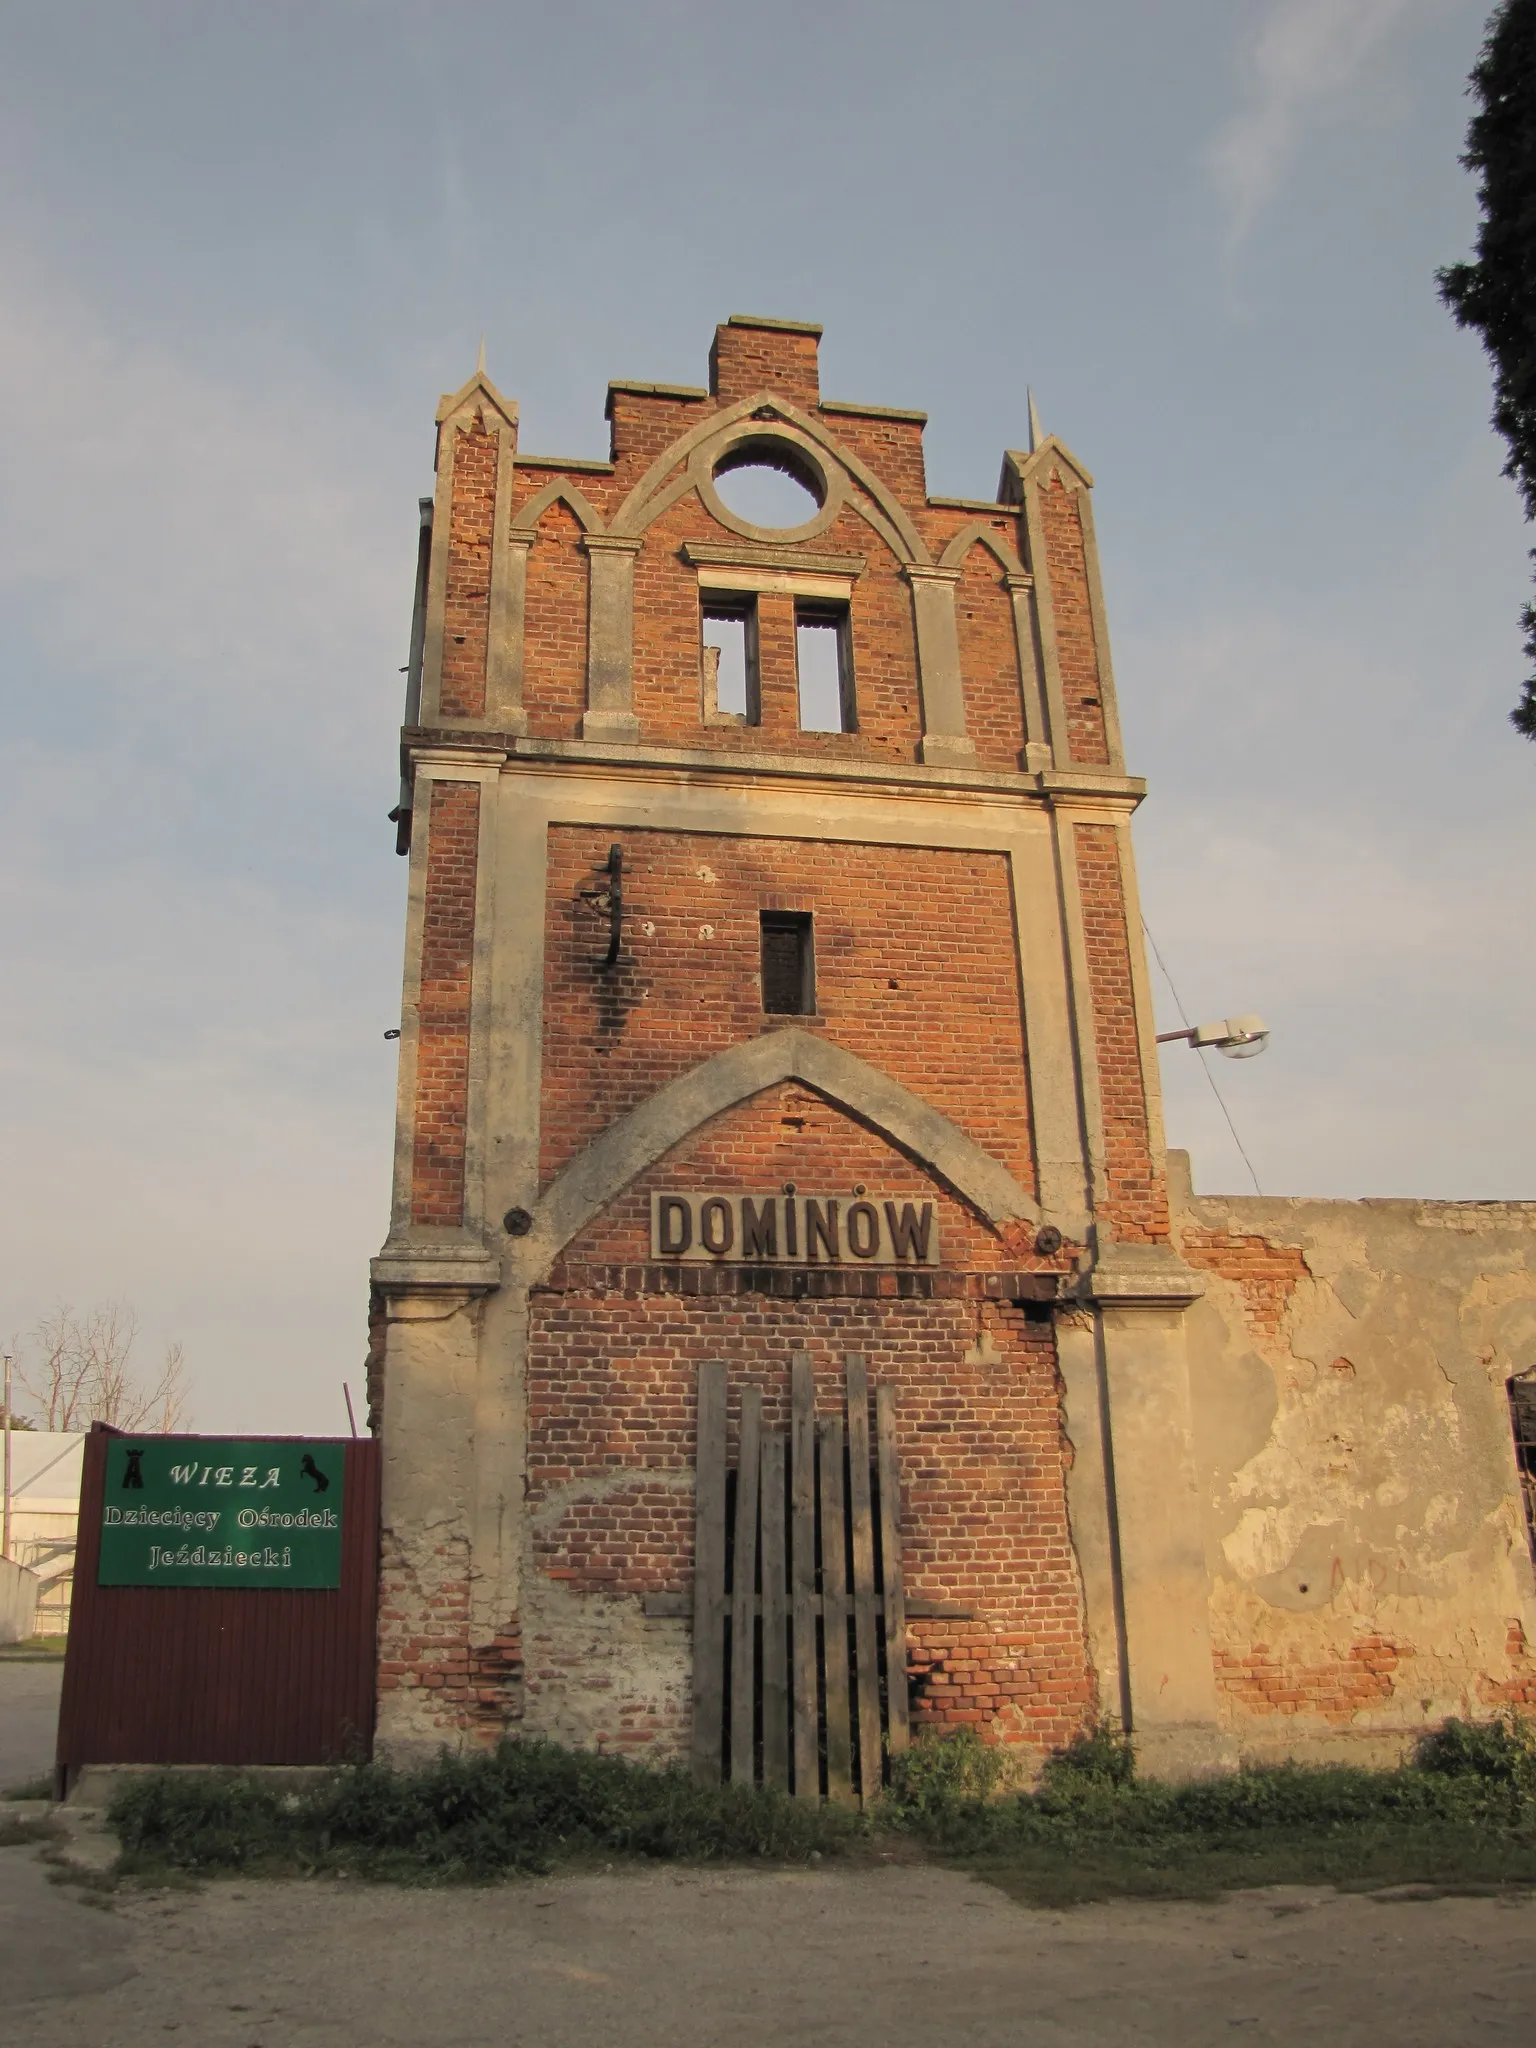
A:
x: 1305, y: 56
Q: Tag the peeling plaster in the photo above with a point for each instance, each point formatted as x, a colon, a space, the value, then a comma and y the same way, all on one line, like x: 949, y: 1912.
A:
x: 1367, y: 1547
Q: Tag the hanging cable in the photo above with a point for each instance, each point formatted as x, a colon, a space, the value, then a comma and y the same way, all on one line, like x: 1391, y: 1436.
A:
x: 1184, y: 1020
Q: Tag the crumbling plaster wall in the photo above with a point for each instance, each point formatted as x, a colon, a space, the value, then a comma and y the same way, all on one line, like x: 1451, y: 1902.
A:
x: 1369, y: 1563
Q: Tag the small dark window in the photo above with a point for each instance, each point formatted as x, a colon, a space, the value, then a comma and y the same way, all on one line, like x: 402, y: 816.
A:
x: 729, y: 655
x: 1522, y: 1413
x: 789, y: 964
x: 824, y: 661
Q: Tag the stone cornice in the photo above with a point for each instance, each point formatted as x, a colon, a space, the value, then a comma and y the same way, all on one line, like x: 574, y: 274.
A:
x: 801, y: 561
x: 1140, y: 1276
x: 1120, y: 792
x: 462, y: 1267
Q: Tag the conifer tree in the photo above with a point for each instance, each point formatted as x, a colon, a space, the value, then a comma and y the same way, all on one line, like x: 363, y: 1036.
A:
x: 1497, y: 293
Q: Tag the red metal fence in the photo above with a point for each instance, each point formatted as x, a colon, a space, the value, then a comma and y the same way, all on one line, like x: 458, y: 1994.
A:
x: 205, y: 1675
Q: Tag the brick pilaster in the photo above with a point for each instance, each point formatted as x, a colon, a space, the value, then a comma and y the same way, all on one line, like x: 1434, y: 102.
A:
x: 447, y: 958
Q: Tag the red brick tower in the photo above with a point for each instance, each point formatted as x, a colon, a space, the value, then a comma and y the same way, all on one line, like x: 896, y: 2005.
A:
x: 774, y: 991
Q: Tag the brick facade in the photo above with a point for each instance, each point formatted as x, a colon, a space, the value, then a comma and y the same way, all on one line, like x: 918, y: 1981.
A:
x: 914, y: 971
x: 1114, y: 1492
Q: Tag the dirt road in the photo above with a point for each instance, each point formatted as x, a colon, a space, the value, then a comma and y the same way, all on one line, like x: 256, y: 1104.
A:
x: 899, y: 1956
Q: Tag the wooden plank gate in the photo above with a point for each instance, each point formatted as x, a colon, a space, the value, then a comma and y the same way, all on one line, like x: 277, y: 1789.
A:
x: 800, y: 1628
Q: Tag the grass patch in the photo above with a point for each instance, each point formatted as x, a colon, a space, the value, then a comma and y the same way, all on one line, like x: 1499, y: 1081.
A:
x: 1461, y: 1817
x: 33, y: 1649
x: 30, y: 1788
x: 19, y: 1830
x: 522, y: 1808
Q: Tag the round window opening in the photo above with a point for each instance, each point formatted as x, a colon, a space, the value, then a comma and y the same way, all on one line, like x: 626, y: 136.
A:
x: 768, y: 484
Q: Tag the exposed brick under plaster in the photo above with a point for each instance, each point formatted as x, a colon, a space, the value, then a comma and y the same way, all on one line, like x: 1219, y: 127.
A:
x: 1267, y: 1273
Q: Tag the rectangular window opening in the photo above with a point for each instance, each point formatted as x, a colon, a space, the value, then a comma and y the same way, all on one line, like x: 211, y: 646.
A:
x: 824, y: 663
x: 789, y: 964
x: 1522, y: 1415
x: 729, y: 655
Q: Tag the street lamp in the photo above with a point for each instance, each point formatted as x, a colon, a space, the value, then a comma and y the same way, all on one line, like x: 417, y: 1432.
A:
x: 1236, y: 1038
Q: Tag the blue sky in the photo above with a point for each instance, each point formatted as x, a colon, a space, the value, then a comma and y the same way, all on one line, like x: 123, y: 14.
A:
x: 245, y: 249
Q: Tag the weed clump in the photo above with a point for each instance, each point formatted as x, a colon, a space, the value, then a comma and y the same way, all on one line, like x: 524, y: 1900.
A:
x: 520, y: 1807
x: 1501, y: 1752
x: 1462, y: 1814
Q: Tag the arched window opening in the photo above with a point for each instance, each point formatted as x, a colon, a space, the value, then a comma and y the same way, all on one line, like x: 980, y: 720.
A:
x: 769, y: 484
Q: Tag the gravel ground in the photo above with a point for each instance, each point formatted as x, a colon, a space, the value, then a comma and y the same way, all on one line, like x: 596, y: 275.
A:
x: 912, y: 1957
x: 902, y: 1955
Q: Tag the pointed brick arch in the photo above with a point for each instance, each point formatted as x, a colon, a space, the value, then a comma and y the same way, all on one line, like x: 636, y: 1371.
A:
x: 561, y: 492
x: 638, y: 1140
x: 979, y: 535
x: 659, y: 487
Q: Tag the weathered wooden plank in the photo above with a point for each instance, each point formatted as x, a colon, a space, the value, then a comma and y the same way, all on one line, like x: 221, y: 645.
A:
x: 834, y: 1609
x: 775, y: 1617
x: 802, y: 1566
x: 709, y: 1575
x: 744, y: 1589
x: 865, y: 1598
x: 889, y: 1467
x: 679, y: 1607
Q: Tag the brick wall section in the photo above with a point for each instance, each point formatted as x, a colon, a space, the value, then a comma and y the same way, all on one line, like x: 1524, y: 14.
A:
x: 989, y: 662
x: 424, y: 1646
x: 467, y: 610
x: 746, y: 360
x: 790, y: 1133
x: 1267, y: 1273
x: 1259, y: 1681
x: 1518, y: 1691
x: 1068, y: 566
x: 667, y: 697
x: 555, y: 634
x: 936, y: 924
x: 642, y: 427
x: 611, y: 1418
x: 1136, y: 1197
x: 666, y: 649
x: 442, y: 1047
x: 893, y: 449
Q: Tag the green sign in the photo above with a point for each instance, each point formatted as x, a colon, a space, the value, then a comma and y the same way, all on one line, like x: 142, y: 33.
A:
x: 212, y: 1511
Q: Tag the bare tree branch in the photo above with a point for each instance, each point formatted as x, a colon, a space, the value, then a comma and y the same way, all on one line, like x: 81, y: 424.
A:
x: 80, y: 1371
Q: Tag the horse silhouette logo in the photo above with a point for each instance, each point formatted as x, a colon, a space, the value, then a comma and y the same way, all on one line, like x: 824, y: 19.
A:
x: 311, y: 1470
x: 133, y: 1473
